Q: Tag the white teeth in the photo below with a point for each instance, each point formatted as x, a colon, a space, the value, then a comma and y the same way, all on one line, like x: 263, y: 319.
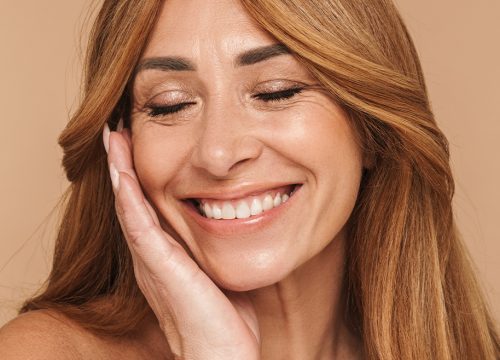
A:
x: 268, y: 203
x: 216, y: 212
x: 242, y: 211
x: 256, y: 208
x: 277, y: 200
x: 228, y: 211
x: 208, y: 211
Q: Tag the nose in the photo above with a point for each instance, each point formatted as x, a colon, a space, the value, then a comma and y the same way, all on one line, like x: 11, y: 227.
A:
x: 225, y: 142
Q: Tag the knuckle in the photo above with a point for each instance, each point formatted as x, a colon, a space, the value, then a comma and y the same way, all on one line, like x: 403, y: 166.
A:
x: 140, y: 237
x: 119, y: 209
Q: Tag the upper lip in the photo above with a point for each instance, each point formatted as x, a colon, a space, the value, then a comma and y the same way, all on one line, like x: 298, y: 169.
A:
x: 236, y: 192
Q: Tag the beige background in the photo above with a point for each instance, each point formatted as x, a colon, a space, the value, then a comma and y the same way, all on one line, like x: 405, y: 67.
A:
x: 39, y: 71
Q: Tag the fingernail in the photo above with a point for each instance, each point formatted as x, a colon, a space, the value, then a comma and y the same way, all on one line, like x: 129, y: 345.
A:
x: 115, y: 176
x: 105, y: 137
x: 119, y: 127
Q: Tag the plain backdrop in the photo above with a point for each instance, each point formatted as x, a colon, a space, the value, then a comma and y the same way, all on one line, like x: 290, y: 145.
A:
x: 40, y: 64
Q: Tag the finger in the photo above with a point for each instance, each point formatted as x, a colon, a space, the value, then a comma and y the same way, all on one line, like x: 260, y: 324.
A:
x: 152, y: 212
x: 121, y: 158
x: 144, y: 236
x: 152, y: 249
x: 141, y: 231
x: 120, y: 154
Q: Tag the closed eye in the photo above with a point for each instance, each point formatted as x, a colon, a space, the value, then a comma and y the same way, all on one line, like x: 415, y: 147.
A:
x: 162, y: 110
x: 276, y: 96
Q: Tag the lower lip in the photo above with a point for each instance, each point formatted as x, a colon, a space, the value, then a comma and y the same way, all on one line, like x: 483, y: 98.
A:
x: 252, y: 224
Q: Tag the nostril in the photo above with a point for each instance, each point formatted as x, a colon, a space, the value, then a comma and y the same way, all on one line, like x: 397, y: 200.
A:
x: 238, y: 164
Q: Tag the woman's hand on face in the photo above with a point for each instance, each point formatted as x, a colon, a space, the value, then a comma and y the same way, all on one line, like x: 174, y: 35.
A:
x: 197, y: 318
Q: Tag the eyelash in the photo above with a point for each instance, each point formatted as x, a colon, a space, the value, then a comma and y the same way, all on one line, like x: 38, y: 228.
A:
x: 277, y: 96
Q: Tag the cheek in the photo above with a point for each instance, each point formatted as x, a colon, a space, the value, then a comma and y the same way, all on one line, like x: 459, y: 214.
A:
x: 338, y: 161
x: 319, y: 139
x: 156, y: 158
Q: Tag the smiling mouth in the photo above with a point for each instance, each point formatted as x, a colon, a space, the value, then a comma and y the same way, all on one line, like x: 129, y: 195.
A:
x: 246, y: 207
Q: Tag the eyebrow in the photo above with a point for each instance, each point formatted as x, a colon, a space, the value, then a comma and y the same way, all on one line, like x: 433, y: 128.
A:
x: 259, y: 54
x: 177, y: 63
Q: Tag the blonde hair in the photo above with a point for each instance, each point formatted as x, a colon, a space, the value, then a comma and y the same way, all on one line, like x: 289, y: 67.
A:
x: 411, y: 290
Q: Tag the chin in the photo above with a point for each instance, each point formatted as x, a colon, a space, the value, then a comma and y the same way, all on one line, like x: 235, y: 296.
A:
x: 246, y: 273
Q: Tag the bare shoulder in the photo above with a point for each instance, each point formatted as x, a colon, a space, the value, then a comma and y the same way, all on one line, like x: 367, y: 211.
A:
x: 40, y: 334
x: 46, y: 334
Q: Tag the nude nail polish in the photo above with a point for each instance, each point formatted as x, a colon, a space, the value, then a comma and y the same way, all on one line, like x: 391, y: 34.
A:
x: 105, y: 137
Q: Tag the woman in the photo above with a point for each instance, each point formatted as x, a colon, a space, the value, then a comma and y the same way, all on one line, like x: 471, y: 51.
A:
x: 275, y: 187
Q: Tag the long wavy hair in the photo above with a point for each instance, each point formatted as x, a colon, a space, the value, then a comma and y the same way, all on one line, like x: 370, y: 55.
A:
x: 412, y: 293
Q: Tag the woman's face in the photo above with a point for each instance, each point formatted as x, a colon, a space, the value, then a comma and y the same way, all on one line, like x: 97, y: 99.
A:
x: 203, y: 128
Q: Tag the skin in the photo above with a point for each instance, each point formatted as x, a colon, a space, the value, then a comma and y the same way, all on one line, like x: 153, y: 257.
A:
x: 272, y: 293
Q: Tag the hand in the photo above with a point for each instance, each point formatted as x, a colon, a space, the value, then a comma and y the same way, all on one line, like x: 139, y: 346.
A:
x: 197, y: 318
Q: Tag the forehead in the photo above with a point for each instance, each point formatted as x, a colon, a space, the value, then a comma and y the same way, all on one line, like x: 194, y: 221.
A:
x: 200, y: 28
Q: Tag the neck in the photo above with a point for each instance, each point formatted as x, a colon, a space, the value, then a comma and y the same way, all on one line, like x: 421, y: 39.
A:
x: 303, y: 316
